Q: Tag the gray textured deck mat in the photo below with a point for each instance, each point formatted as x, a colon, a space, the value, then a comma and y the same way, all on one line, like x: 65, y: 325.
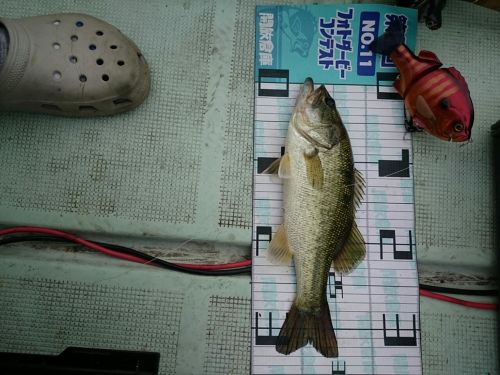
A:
x: 180, y: 167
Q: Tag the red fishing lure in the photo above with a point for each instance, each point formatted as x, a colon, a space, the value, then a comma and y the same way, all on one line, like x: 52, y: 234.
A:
x: 437, y: 98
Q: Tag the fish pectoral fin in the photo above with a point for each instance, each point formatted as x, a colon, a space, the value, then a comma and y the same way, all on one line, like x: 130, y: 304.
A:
x: 280, y: 166
x: 423, y: 108
x: 352, y: 253
x: 314, y: 171
x: 273, y: 167
x: 359, y: 187
x: 284, y: 170
x: 278, y: 251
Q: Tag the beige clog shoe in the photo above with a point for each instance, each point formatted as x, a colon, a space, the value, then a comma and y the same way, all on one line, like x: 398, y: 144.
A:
x: 71, y: 65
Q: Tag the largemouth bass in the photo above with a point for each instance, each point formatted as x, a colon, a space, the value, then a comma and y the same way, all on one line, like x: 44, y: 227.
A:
x: 321, y: 192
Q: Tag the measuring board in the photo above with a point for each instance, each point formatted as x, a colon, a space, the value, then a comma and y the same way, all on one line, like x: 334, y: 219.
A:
x: 375, y: 309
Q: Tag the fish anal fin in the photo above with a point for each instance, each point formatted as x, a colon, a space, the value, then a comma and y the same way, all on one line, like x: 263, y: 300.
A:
x: 308, y: 326
x: 314, y: 171
x: 278, y: 251
x: 280, y: 166
x: 352, y: 253
x: 359, y: 187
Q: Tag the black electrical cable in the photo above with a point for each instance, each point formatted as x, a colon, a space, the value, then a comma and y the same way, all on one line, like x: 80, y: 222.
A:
x: 468, y: 292
x: 232, y: 271
x: 126, y: 250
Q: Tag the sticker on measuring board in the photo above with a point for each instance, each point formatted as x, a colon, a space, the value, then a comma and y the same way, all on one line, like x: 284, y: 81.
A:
x: 374, y: 308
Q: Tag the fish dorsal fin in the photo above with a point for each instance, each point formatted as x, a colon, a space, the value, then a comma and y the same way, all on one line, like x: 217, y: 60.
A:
x: 352, y: 253
x: 456, y: 74
x: 359, y: 187
x: 280, y: 166
x: 278, y: 251
x: 428, y: 55
x: 314, y: 171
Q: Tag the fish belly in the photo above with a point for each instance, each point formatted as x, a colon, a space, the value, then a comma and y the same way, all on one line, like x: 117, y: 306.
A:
x: 317, y: 221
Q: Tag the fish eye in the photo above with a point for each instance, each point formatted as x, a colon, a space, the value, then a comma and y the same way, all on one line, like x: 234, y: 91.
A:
x: 444, y: 103
x: 330, y: 102
x: 458, y: 127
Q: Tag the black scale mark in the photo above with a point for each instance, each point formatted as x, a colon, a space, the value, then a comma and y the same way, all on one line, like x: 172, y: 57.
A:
x: 263, y: 234
x: 395, y: 168
x: 392, y: 168
x: 390, y: 234
x: 337, y: 369
x: 274, y: 76
x: 264, y: 163
x: 336, y: 286
x: 268, y: 339
x: 386, y: 77
x: 399, y: 340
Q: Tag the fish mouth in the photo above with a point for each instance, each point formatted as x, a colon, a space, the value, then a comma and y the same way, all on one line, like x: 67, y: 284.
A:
x: 307, y: 88
x: 463, y: 136
x: 456, y: 138
x: 308, y: 97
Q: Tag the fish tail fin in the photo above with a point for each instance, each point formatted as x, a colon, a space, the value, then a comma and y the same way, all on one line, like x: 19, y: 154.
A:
x: 390, y: 40
x: 302, y: 327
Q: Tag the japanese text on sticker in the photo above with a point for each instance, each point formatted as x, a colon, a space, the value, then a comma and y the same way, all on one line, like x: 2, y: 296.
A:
x: 335, y: 42
x: 266, y: 24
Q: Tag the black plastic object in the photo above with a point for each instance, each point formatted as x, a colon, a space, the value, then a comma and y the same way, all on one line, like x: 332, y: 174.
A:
x: 429, y: 11
x: 81, y: 361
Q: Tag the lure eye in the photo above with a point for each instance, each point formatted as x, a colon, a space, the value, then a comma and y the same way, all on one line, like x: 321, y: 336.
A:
x: 330, y: 102
x: 444, y: 103
x: 458, y: 127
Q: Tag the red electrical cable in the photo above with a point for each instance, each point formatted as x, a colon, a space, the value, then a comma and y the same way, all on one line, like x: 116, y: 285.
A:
x: 442, y: 297
x: 114, y: 253
x: 81, y: 241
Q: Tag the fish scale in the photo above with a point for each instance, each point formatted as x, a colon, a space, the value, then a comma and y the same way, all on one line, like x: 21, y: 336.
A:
x: 318, y: 220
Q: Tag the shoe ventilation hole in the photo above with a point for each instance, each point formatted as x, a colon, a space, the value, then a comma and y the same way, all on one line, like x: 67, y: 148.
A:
x: 83, y: 78
x: 56, y: 75
x: 99, y: 33
x: 121, y: 101
x: 105, y: 77
x: 74, y: 38
x: 51, y: 107
x: 56, y: 46
x: 120, y: 62
x: 79, y: 24
x: 113, y: 46
x: 92, y: 47
x: 87, y: 108
x: 73, y: 59
x: 99, y: 61
x: 56, y: 22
